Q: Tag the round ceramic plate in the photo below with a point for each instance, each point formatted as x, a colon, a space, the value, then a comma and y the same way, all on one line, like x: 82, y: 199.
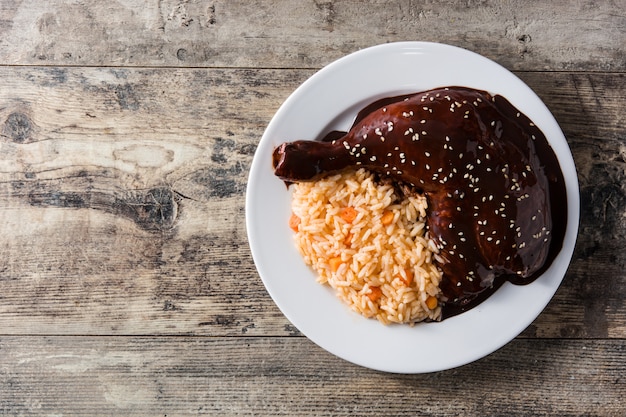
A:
x: 330, y: 99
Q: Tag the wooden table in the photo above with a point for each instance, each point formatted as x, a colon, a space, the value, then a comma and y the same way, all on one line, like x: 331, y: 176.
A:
x: 127, y: 130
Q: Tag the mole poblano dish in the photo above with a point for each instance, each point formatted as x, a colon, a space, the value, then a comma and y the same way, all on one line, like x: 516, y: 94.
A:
x: 494, y: 188
x: 437, y: 204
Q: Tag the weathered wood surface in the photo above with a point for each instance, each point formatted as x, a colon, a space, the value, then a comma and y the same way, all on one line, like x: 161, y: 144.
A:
x: 126, y: 133
x: 135, y: 376
x: 561, y: 35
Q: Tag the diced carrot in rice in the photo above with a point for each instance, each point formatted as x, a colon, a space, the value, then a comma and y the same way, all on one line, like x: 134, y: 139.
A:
x: 348, y: 214
x: 387, y: 218
x: 407, y: 278
x: 335, y: 263
x: 431, y: 302
x: 294, y: 222
x: 375, y: 293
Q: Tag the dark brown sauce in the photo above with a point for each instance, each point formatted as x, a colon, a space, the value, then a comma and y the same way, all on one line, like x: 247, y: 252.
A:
x: 497, y: 206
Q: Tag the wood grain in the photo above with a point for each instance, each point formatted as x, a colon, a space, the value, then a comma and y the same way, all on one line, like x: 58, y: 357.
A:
x: 558, y: 35
x: 116, y: 186
x: 127, y: 130
x: 100, y: 376
x: 113, y: 186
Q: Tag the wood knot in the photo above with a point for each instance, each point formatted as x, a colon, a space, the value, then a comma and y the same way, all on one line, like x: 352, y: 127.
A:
x: 157, y: 209
x: 181, y: 54
x: 18, y: 127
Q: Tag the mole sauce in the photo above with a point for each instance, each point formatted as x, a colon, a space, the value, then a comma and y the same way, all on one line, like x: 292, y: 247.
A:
x: 497, y: 206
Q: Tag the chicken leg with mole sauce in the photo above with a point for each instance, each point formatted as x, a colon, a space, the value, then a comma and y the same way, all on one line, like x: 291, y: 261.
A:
x: 496, y: 195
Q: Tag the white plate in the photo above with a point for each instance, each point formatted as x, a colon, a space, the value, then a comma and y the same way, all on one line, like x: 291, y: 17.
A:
x: 329, y: 100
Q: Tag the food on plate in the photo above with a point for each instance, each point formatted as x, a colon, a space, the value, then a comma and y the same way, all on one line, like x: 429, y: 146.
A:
x: 493, y: 185
x: 366, y: 240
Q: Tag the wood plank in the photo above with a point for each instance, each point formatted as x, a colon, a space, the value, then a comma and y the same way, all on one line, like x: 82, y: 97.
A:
x: 122, y: 201
x: 561, y: 35
x: 290, y: 376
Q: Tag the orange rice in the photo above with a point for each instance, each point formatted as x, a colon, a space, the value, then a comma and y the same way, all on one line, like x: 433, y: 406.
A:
x: 370, y: 245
